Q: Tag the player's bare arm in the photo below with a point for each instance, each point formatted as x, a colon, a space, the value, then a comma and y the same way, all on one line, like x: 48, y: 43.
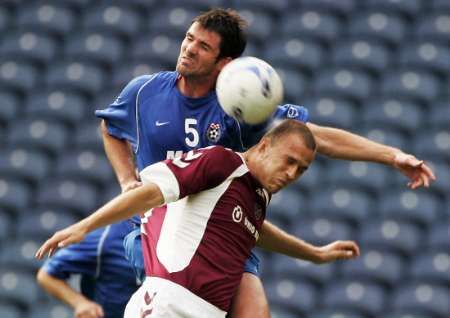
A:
x: 120, y: 156
x: 83, y: 307
x: 120, y: 208
x: 274, y: 239
x: 340, y: 144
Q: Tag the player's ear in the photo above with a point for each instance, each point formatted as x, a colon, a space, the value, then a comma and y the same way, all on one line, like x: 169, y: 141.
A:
x: 223, y: 61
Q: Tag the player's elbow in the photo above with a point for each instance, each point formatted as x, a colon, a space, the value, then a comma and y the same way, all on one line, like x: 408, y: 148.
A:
x: 42, y: 277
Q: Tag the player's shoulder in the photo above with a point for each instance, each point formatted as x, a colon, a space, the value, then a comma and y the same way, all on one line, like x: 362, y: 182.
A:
x: 222, y: 156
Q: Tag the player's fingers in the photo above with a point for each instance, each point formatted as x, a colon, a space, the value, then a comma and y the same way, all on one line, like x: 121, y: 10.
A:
x: 350, y: 246
x: 99, y: 312
x: 428, y: 171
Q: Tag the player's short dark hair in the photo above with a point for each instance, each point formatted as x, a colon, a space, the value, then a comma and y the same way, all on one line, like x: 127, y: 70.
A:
x: 231, y: 28
x: 292, y: 126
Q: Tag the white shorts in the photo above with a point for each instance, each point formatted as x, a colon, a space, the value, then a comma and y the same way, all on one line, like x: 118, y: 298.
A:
x: 159, y: 297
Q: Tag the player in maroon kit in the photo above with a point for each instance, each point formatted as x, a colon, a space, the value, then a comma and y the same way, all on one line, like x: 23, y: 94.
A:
x: 215, y: 202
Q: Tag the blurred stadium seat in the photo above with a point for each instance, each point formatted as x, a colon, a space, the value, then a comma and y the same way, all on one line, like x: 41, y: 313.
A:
x: 426, y: 55
x: 17, y: 75
x: 20, y: 255
x: 433, y: 267
x: 14, y: 194
x: 321, y: 231
x: 160, y: 48
x: 439, y: 236
x: 18, y: 287
x: 333, y: 313
x: 10, y: 106
x: 433, y: 27
x: 407, y: 8
x: 10, y: 311
x: 172, y: 21
x: 331, y: 111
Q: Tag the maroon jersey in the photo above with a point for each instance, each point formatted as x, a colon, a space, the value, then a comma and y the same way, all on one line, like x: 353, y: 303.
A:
x: 204, y: 234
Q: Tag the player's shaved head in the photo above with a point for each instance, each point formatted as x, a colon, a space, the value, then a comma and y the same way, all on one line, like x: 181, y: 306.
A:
x: 291, y: 126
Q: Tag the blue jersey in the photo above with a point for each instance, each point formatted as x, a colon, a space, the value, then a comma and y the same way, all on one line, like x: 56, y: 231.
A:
x: 160, y: 123
x: 106, y: 276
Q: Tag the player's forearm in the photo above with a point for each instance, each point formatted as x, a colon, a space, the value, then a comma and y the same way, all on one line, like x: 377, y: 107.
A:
x: 125, y: 206
x: 59, y: 289
x: 120, y: 156
x: 341, y: 144
x: 276, y: 240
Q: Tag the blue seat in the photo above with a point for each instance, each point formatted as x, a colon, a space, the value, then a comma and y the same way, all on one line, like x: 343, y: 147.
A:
x: 433, y: 267
x: 369, y: 55
x: 20, y: 254
x: 86, y: 78
x: 288, y: 204
x: 41, y: 134
x: 10, y: 106
x: 260, y: 24
x: 440, y: 5
x: 298, y: 296
x: 333, y: 313
x: 59, y: 105
x: 10, y: 311
x: 367, y: 298
x: 433, y: 144
x: 84, y: 165
x: 332, y: 111
x: 18, y: 287
x: 29, y: 45
x: 66, y: 194
x: 57, y: 19
x: 389, y: 136
x: 439, y: 115
x: 199, y: 5
x: 287, y: 267
x: 419, y: 207
x: 321, y: 231
x: 281, y: 312
x: 52, y: 310
x: 407, y: 8
x: 376, y: 25
x: 5, y: 17
x: 374, y: 265
x: 253, y: 48
x: 122, y: 74
x: 313, y: 24
x: 6, y: 228
x: 41, y: 222
x: 16, y: 75
x: 88, y: 136
x: 393, y: 113
x: 357, y: 175
x: 159, y: 48
x: 433, y: 27
x: 171, y: 21
x: 430, y: 300
x: 343, y: 8
x: 295, y: 85
x: 340, y: 203
x: 426, y: 55
x: 439, y: 235
x: 103, y: 49
x: 391, y: 235
x: 343, y: 83
x: 113, y: 19
x: 27, y: 164
x: 295, y: 53
x: 110, y: 192
x: 274, y: 8
x: 14, y: 194
x: 411, y: 83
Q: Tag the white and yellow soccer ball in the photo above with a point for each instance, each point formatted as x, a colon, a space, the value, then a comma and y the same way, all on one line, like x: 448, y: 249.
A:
x: 249, y: 89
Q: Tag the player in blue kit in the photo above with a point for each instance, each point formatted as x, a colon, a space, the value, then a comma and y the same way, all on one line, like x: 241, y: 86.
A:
x: 165, y: 114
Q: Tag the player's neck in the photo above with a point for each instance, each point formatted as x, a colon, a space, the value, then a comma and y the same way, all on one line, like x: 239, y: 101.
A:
x: 195, y: 87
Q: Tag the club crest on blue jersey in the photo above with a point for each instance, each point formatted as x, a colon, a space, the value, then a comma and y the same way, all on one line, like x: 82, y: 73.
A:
x: 213, y: 132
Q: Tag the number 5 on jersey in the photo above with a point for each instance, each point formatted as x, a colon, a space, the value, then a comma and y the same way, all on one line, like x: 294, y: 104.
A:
x: 192, y: 137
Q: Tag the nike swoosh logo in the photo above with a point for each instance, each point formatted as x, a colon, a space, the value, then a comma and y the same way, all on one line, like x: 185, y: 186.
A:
x: 158, y: 123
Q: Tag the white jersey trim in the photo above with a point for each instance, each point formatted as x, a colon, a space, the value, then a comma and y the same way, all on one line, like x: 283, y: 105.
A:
x: 160, y: 174
x: 185, y: 224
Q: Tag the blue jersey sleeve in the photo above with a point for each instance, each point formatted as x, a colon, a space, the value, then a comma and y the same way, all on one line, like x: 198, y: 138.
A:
x: 251, y: 134
x: 120, y: 116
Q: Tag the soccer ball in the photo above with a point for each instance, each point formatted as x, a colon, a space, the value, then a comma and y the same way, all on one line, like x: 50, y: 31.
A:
x: 249, y: 90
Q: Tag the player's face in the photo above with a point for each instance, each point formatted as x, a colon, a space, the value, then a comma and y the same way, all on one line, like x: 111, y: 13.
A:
x: 198, y: 54
x: 283, y: 162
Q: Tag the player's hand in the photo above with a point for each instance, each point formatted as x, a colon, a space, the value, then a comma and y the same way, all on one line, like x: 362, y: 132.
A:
x: 88, y: 309
x: 338, y: 250
x: 70, y: 235
x: 416, y: 170
x: 127, y: 186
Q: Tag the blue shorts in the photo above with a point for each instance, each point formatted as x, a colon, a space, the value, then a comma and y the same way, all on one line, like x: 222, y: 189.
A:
x: 133, y: 253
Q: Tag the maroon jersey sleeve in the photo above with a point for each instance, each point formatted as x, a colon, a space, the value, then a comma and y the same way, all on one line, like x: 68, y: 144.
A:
x: 203, y: 169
